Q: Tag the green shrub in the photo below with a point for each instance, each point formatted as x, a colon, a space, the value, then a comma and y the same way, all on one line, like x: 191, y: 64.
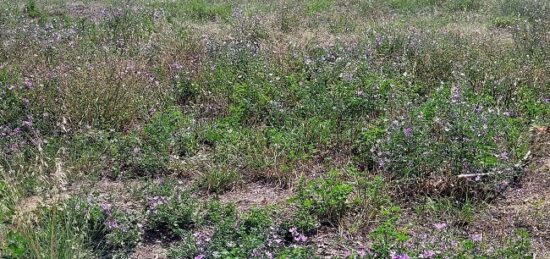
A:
x: 123, y: 232
x: 325, y: 198
x: 186, y: 248
x: 33, y: 10
x: 387, y: 238
x: 172, y: 216
x: 518, y: 246
x: 448, y: 135
x: 238, y: 237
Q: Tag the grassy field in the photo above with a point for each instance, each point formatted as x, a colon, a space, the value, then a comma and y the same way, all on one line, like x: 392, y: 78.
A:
x: 275, y: 129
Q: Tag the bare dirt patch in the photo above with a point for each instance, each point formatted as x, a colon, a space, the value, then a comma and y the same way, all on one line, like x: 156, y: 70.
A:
x: 149, y: 251
x: 528, y: 206
x: 256, y: 195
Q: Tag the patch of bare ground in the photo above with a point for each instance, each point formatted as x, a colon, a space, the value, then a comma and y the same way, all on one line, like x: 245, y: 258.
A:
x: 527, y: 206
x: 149, y: 251
x: 331, y: 243
x: 256, y: 195
x: 118, y: 193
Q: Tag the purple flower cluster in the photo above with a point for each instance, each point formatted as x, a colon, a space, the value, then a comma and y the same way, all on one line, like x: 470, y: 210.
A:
x: 399, y: 256
x: 427, y: 254
x: 156, y: 201
x: 111, y: 224
x: 106, y: 207
x: 440, y: 226
x: 476, y: 237
x: 408, y: 132
x: 297, y: 236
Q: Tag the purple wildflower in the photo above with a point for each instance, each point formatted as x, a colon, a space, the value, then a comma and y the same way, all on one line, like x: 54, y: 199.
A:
x: 440, y: 226
x: 427, y: 254
x: 201, y: 256
x: 361, y: 253
x: 28, y: 122
x: 14, y: 147
x: 176, y: 66
x: 156, y: 201
x: 457, y: 93
x: 297, y: 236
x: 16, y: 131
x: 408, y: 132
x: 111, y: 224
x: 293, y: 231
x: 300, y: 238
x: 476, y: 237
x: 401, y: 256
x: 504, y: 156
x: 28, y: 82
x: 106, y: 207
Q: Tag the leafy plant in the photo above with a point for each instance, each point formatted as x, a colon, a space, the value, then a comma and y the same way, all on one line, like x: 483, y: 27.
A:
x: 387, y: 238
x: 171, y: 216
x: 326, y: 198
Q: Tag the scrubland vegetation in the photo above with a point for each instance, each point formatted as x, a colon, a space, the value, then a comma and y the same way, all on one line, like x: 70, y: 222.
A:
x: 275, y: 129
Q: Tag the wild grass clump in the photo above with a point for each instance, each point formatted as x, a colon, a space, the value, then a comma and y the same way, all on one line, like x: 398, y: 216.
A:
x: 72, y: 228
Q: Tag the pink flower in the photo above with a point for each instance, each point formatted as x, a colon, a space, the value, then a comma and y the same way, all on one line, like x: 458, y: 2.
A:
x: 408, y: 132
x: 106, y: 207
x: 111, y: 224
x: 401, y: 256
x: 28, y: 82
x: 176, y: 66
x: 476, y: 237
x: 427, y: 254
x: 293, y: 231
x: 201, y: 256
x: 298, y: 237
x: 440, y: 226
x: 301, y: 238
